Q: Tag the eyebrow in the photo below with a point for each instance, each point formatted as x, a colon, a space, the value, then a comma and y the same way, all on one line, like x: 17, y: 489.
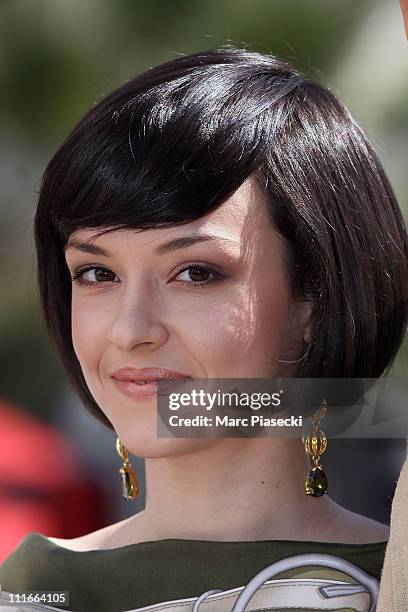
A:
x: 176, y: 243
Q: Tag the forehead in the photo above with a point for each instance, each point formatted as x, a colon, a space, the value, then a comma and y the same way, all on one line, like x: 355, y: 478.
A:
x: 238, y: 219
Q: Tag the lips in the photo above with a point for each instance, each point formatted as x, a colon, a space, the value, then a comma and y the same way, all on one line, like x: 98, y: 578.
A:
x: 140, y: 384
x: 147, y: 375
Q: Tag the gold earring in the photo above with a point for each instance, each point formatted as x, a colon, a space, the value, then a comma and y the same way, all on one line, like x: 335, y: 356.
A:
x: 315, y: 444
x: 130, y: 483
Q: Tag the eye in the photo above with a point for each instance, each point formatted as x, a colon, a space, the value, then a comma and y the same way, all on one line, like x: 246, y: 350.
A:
x: 199, y: 275
x: 96, y: 275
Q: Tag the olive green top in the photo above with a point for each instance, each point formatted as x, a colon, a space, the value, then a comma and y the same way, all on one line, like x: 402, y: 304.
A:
x: 148, y: 573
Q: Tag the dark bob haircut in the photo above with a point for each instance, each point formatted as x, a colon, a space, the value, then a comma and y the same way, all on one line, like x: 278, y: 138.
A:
x: 174, y: 143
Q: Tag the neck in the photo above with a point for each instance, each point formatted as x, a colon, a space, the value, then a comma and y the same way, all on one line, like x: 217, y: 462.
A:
x: 212, y: 494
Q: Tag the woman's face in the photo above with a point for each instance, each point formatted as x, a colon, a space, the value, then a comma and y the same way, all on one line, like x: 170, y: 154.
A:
x: 217, y: 308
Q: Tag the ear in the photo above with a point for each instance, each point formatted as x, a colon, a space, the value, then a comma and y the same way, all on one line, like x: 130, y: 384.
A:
x: 305, y: 320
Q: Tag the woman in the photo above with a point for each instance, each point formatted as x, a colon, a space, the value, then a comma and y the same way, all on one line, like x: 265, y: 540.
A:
x: 218, y: 216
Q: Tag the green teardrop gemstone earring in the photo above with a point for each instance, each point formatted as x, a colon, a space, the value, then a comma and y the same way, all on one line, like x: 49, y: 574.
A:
x: 130, y: 483
x: 315, y: 444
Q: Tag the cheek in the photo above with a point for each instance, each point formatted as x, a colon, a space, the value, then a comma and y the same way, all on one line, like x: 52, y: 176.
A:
x: 88, y: 333
x: 260, y: 312
x: 232, y: 337
x: 217, y: 327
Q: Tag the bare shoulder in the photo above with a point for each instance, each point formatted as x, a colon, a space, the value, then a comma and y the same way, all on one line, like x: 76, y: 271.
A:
x: 373, y: 530
x: 359, y: 529
x: 102, y: 539
x: 89, y: 541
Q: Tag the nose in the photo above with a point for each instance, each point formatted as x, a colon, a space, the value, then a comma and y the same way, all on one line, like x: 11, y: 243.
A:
x: 137, y: 322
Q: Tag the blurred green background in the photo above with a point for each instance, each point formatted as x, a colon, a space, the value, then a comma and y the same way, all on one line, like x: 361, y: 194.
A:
x: 58, y: 57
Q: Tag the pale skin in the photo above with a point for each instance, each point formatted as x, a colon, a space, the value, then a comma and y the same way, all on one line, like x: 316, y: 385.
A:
x: 245, y: 325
